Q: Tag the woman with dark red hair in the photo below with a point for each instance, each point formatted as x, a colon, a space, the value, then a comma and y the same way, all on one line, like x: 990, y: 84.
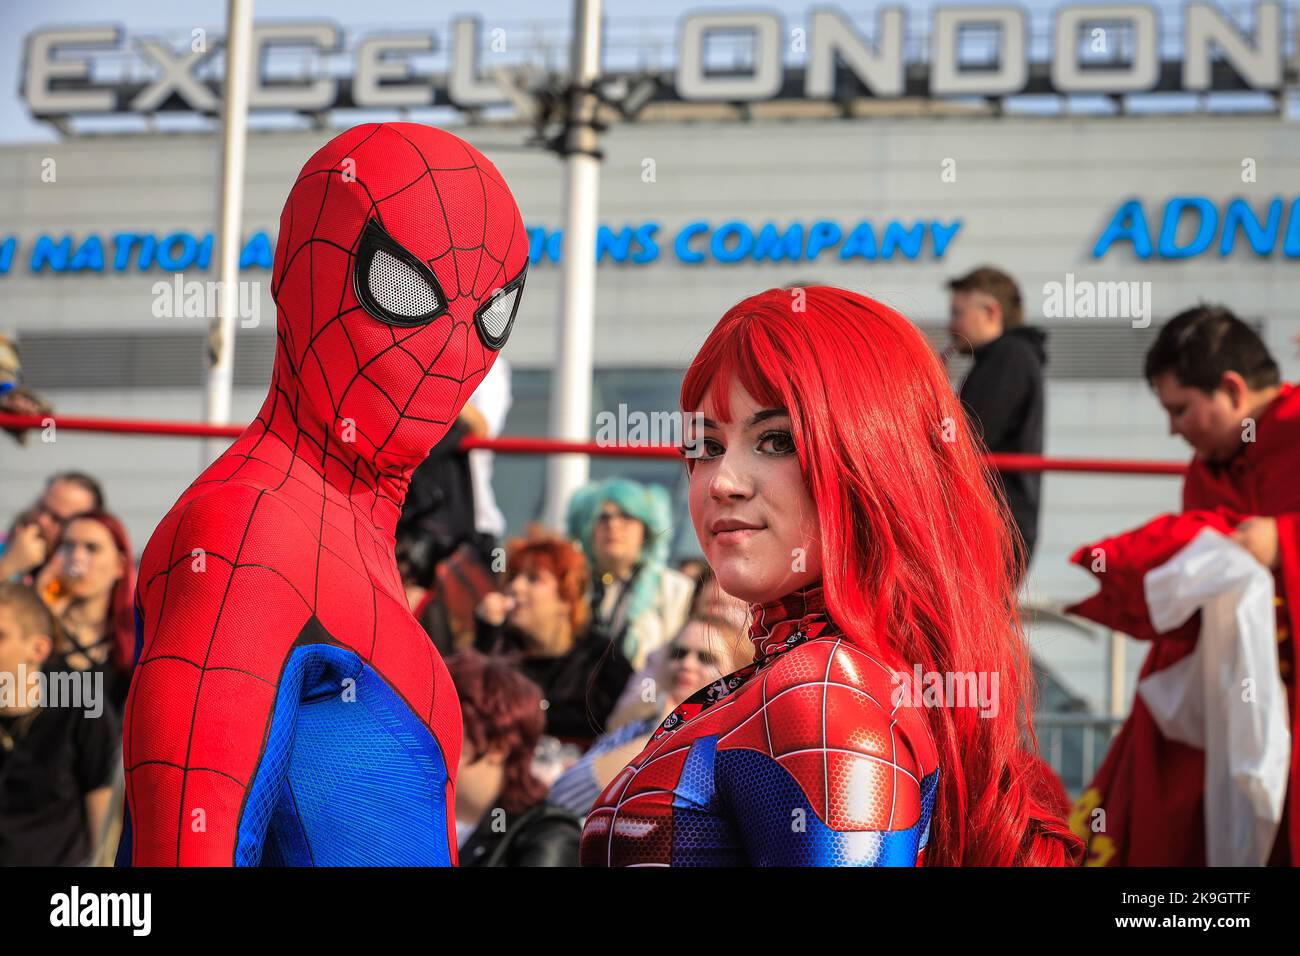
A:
x: 835, y: 486
x: 89, y: 584
x: 502, y: 815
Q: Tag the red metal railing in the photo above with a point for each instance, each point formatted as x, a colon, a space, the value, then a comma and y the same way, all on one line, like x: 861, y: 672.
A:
x: 551, y: 446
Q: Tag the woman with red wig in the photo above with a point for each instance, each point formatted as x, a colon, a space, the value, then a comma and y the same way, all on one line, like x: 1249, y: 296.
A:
x: 835, y: 487
x: 89, y: 584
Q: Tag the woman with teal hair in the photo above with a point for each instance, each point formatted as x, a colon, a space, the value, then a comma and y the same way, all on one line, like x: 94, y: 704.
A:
x: 625, y: 529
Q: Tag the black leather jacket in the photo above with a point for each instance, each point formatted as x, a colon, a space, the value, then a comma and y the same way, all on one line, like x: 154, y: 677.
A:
x: 546, y: 835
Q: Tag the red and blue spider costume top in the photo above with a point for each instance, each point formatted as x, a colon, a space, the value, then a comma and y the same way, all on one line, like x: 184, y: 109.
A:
x: 286, y: 707
x: 799, y: 759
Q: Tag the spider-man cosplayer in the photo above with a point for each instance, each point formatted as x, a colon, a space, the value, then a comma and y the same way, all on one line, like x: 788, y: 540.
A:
x: 287, y: 709
x: 839, y: 492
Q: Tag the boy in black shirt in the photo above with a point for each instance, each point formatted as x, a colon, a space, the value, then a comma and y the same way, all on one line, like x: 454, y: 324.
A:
x: 57, y: 756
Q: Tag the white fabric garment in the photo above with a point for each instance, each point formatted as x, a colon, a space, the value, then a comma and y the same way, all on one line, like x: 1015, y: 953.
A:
x: 661, y: 621
x: 1227, y: 696
x: 492, y: 398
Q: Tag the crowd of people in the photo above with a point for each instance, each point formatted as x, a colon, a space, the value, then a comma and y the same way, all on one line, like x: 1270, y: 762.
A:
x: 66, y: 589
x: 569, y: 651
x: 578, y: 650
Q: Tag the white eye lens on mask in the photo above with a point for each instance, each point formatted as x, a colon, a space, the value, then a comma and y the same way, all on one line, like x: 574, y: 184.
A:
x: 393, y: 285
x: 496, y: 316
x: 399, y: 288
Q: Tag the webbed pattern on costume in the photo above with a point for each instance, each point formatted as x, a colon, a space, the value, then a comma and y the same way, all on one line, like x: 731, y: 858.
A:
x: 800, y: 759
x: 287, y: 539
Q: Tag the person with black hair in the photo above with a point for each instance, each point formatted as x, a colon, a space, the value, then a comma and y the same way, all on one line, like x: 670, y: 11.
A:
x: 1224, y: 395
x: 1212, y: 372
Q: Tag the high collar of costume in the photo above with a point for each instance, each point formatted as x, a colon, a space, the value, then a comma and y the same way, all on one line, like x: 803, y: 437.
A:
x: 775, y: 623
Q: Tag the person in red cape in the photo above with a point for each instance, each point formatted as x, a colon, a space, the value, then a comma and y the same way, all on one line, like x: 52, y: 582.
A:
x: 1224, y: 396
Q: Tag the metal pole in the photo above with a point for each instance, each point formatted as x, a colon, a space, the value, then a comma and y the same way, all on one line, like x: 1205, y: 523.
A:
x: 234, y: 129
x: 571, y: 384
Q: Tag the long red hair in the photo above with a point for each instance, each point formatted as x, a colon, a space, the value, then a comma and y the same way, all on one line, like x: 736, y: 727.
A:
x: 121, y: 605
x: 917, y: 553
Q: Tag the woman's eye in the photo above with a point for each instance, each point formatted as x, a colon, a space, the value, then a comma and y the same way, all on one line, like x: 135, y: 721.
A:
x: 701, y: 449
x: 777, y: 443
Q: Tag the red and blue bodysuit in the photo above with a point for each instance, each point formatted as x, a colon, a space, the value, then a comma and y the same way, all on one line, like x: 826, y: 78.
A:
x: 286, y: 707
x: 799, y: 759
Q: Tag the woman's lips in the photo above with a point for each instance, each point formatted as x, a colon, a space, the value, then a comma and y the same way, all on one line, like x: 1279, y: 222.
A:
x: 736, y: 536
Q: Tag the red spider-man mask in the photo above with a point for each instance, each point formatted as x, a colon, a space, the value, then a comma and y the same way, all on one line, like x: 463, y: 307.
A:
x: 398, y: 273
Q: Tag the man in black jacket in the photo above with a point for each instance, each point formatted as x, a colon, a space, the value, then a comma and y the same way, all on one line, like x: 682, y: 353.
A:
x: 1003, y: 392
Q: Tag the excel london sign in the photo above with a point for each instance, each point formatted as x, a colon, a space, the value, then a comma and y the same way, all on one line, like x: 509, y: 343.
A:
x: 828, y: 55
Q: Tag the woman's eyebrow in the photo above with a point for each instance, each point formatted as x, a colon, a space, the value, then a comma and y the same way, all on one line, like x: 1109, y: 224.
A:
x: 760, y: 416
x: 765, y: 414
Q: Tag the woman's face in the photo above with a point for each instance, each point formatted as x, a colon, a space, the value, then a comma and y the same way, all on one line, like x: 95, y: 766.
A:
x: 538, y: 607
x: 751, y: 508
x: 617, y: 538
x: 91, y: 562
x: 693, y: 661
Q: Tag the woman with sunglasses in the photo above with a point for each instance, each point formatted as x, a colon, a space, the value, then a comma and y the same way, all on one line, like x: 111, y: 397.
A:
x: 700, y: 654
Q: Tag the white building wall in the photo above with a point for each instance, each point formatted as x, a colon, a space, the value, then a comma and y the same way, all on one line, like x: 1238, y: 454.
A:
x: 1033, y: 195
